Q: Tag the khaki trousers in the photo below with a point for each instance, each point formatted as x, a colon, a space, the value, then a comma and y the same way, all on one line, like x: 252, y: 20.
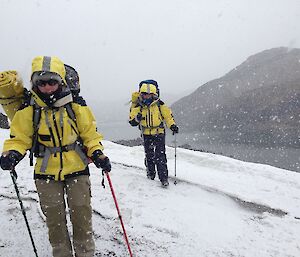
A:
x: 52, y: 199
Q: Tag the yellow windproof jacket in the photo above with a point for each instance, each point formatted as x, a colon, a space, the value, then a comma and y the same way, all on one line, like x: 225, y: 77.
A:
x: 153, y: 117
x: 56, y: 130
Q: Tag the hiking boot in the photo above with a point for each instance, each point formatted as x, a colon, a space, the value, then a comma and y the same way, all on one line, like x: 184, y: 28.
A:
x: 151, y: 176
x: 165, y: 183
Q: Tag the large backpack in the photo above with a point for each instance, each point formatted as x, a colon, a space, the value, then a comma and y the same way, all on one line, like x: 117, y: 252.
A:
x: 72, y: 79
x: 11, y: 92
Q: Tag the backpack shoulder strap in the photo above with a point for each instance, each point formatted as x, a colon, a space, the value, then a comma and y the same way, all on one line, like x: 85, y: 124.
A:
x: 71, y: 112
x: 72, y: 116
x: 159, y: 103
x: 36, y: 123
x: 26, y: 101
x: 79, y: 100
x: 36, y: 116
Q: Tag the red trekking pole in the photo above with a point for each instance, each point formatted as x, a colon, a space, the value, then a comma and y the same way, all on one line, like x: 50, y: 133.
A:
x: 120, y: 217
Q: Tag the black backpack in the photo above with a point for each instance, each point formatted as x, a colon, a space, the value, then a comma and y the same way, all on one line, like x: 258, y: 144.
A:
x: 72, y: 79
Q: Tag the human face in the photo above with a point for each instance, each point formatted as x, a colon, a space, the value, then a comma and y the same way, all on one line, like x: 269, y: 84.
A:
x: 48, y: 87
x: 146, y: 96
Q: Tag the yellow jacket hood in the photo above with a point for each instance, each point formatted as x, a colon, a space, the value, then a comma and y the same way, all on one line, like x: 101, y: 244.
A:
x: 45, y: 68
x: 148, y: 89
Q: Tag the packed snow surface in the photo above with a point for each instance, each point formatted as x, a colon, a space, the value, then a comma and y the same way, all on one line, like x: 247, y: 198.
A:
x: 219, y: 207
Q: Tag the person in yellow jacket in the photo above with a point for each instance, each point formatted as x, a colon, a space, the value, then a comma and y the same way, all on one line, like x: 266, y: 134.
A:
x: 150, y: 113
x: 62, y: 148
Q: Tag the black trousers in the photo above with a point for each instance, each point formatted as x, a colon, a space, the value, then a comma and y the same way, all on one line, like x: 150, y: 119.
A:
x: 155, y: 151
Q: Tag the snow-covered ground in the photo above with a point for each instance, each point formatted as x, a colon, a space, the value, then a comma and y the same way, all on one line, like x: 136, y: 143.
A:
x: 219, y: 207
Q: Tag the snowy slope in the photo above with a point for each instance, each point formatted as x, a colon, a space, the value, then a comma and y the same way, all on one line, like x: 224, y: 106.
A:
x: 220, y: 207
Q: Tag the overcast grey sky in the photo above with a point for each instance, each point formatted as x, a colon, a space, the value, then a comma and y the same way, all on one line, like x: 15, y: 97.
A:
x: 116, y: 43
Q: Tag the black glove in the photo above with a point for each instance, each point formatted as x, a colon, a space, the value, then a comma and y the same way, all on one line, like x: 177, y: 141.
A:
x: 138, y: 117
x: 136, y: 121
x: 10, y: 160
x: 102, y: 163
x: 174, y: 128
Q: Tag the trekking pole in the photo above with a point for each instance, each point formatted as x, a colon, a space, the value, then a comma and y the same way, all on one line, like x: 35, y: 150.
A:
x: 143, y: 139
x: 13, y: 175
x: 175, y: 146
x: 120, y: 217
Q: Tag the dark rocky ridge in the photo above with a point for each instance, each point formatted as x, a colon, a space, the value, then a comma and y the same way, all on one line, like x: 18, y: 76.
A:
x: 258, y: 102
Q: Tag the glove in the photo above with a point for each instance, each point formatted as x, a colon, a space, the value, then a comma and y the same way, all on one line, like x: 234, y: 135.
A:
x: 136, y: 121
x: 103, y: 163
x: 10, y: 160
x: 174, y: 128
x: 138, y: 117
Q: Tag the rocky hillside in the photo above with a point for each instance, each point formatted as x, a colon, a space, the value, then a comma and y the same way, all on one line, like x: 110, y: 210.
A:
x: 257, y: 102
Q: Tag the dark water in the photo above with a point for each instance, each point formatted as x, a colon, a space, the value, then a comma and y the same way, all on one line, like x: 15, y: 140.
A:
x: 278, y: 156
x: 118, y: 130
x: 282, y: 157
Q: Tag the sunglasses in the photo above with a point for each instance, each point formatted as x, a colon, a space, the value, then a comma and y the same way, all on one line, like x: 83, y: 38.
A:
x: 146, y: 95
x: 50, y: 82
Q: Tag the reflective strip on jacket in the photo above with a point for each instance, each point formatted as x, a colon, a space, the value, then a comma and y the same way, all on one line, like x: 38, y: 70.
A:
x: 22, y: 133
x: 153, y: 117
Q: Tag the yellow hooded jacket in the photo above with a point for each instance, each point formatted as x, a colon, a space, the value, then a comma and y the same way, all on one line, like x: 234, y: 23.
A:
x: 153, y: 117
x: 64, y: 130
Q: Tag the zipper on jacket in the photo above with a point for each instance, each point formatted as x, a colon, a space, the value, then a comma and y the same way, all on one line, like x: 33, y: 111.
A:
x: 151, y: 119
x: 59, y: 174
x: 148, y: 116
x: 50, y: 129
x: 59, y: 140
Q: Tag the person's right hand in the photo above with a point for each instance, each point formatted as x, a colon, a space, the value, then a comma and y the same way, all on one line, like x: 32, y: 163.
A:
x: 10, y: 159
x: 138, y: 117
x: 101, y: 161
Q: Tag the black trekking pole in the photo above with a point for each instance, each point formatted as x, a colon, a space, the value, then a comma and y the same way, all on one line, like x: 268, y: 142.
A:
x: 145, y: 159
x: 14, y: 176
x: 119, y: 213
x: 175, y: 146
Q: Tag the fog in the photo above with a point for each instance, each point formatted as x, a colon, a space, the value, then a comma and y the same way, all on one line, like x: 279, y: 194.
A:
x: 115, y: 44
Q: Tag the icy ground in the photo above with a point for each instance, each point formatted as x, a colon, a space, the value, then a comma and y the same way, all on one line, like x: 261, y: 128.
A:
x: 220, y: 207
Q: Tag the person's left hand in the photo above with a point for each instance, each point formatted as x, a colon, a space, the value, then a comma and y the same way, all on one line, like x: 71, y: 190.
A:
x: 174, y: 128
